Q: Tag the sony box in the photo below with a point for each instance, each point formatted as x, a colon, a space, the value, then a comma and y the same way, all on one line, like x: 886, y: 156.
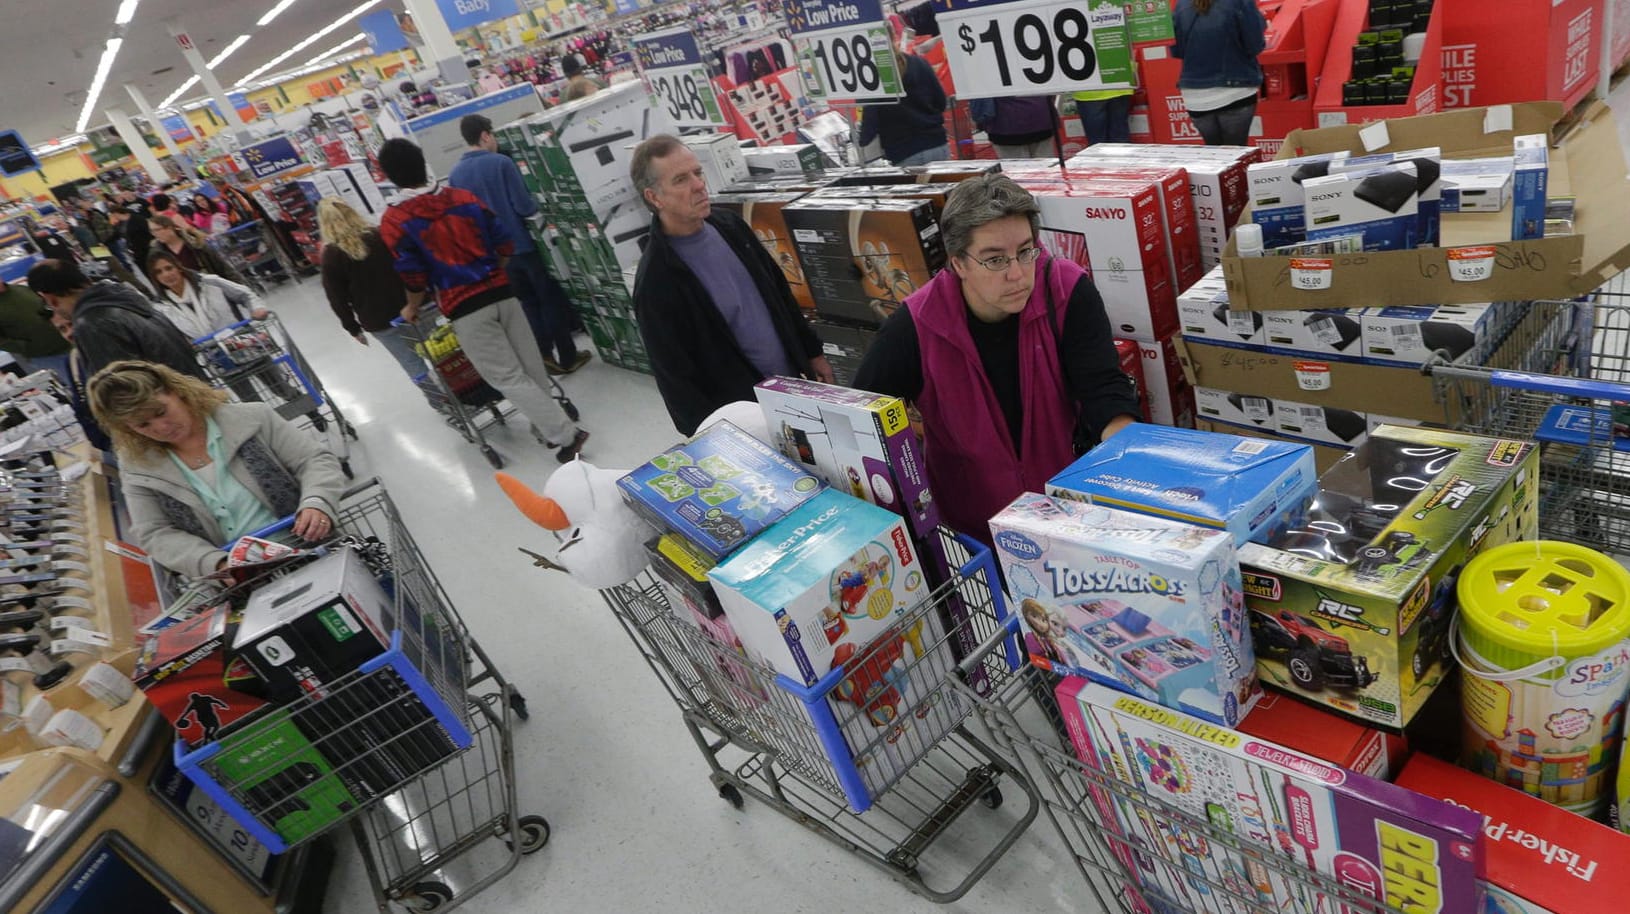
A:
x: 1204, y: 313
x: 1414, y: 334
x: 1428, y: 164
x: 1277, y: 196
x: 1329, y: 332
x: 1529, y: 185
x: 1477, y: 185
x: 1382, y: 204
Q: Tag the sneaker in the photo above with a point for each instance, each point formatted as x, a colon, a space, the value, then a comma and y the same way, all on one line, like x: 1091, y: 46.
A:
x: 569, y: 453
x: 582, y: 359
x: 553, y: 366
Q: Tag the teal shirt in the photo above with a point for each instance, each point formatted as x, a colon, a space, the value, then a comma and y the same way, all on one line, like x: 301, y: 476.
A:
x: 234, y: 507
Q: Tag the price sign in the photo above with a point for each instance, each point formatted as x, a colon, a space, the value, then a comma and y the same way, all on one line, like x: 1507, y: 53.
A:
x: 844, y: 50
x: 1035, y: 47
x: 678, y: 79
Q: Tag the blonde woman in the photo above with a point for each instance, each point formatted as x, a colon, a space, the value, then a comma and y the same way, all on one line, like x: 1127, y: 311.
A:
x: 189, y: 247
x: 360, y: 280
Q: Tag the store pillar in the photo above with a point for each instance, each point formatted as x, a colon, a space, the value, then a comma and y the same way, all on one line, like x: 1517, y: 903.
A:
x: 138, y: 145
x: 154, y: 121
x: 195, y: 59
x: 439, y: 45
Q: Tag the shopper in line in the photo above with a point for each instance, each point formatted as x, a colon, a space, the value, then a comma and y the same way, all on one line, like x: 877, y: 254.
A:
x: 443, y: 239
x: 578, y: 85
x: 1106, y: 115
x: 197, y: 472
x: 912, y: 130
x: 189, y: 247
x: 1020, y: 127
x: 111, y: 320
x: 362, y: 285
x: 1007, y: 354
x: 1218, y: 42
x: 495, y: 179
x: 199, y: 304
x: 26, y: 332
x: 204, y: 211
x: 75, y: 378
x: 714, y: 309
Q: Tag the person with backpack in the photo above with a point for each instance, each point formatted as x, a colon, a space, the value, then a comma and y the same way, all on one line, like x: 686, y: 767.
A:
x: 111, y: 320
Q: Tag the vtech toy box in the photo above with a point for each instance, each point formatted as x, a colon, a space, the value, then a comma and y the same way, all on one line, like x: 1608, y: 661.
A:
x: 1149, y: 605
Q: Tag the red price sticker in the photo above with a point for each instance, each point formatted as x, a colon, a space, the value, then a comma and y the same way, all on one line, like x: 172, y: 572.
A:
x: 1311, y: 274
x: 1471, y: 264
x: 1312, y: 375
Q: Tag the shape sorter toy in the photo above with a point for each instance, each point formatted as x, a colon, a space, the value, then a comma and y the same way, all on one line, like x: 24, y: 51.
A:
x: 1148, y: 605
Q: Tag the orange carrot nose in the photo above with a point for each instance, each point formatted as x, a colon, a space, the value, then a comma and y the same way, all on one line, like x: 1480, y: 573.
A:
x: 545, y: 512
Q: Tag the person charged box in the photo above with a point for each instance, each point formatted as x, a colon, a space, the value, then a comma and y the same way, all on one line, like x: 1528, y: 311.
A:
x: 1148, y: 605
x: 1541, y: 859
x: 311, y: 627
x: 1204, y: 313
x: 1412, y: 335
x: 1428, y: 164
x: 1250, y: 487
x: 1278, y: 195
x: 1530, y: 179
x: 189, y: 673
x: 1381, y: 203
x: 1477, y: 185
x: 1377, y: 839
x: 1352, y: 607
x: 718, y: 490
x: 1297, y: 725
x: 1329, y: 332
x: 862, y: 258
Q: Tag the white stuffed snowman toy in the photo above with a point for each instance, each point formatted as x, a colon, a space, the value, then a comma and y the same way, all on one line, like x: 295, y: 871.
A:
x: 602, y: 539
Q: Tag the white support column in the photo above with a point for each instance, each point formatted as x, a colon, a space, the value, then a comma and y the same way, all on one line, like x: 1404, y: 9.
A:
x: 195, y: 59
x: 1604, y: 80
x: 154, y: 121
x: 439, y: 46
x: 138, y: 146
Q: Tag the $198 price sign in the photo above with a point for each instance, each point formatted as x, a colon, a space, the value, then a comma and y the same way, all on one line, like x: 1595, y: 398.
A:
x: 1037, y: 47
x: 857, y: 64
x: 686, y: 94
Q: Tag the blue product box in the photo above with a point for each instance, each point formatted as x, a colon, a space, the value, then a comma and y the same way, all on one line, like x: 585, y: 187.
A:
x: 718, y: 490
x: 1529, y: 185
x: 1429, y: 168
x: 1277, y: 195
x: 1251, y: 487
x: 1382, y: 203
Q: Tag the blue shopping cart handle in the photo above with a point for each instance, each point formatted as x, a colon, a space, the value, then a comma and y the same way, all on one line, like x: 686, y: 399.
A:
x: 1567, y: 387
x: 208, y: 338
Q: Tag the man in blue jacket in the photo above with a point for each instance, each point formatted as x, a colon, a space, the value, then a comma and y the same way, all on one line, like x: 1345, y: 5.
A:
x: 494, y: 177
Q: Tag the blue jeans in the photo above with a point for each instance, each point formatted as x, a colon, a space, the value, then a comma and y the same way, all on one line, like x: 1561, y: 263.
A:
x: 938, y: 154
x: 547, y: 308
x: 1106, y: 121
x: 396, y: 342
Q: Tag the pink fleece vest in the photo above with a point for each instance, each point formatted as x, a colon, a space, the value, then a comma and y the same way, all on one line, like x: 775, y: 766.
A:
x: 971, y: 460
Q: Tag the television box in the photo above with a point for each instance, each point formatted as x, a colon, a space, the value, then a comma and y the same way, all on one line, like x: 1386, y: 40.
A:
x: 313, y: 626
x: 799, y: 159
x: 1329, y: 333
x: 1148, y: 605
x: 1413, y: 334
x: 1171, y: 398
x: 1375, y: 838
x: 1132, y: 366
x: 1120, y: 223
x: 1428, y: 164
x: 1477, y: 185
x: 1247, y: 486
x: 861, y: 258
x: 1218, y: 183
x: 189, y: 673
x: 1381, y: 203
x: 718, y: 490
x: 762, y: 211
x: 721, y: 158
x: 1530, y: 181
x: 1277, y: 196
x: 1352, y: 608
x: 1299, y: 726
x: 1203, y: 311
x: 1177, y: 211
x: 1541, y: 859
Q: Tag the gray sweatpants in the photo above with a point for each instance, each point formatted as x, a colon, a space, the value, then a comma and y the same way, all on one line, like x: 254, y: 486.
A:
x: 500, y: 344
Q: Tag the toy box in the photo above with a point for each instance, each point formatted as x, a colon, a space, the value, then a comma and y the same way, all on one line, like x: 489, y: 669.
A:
x: 682, y: 570
x: 1247, y: 486
x: 1376, y: 839
x: 187, y: 672
x: 1297, y: 725
x: 1352, y: 608
x: 1541, y: 859
x: 718, y: 490
x: 1149, y: 605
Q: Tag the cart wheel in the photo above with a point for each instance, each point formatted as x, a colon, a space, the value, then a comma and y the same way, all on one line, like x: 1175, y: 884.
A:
x: 534, y: 834
x: 493, y: 458
x: 729, y: 794
x: 427, y: 896
x: 992, y: 798
x: 571, y: 410
x: 517, y: 704
x: 345, y: 467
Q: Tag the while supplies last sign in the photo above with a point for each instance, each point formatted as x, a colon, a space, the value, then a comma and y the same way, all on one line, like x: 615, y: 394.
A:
x: 844, y: 49
x: 1035, y: 47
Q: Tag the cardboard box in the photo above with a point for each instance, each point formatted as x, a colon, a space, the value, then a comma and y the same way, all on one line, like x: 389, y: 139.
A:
x: 304, y: 631
x: 1148, y: 605
x: 1218, y: 184
x: 1412, y: 335
x: 844, y: 346
x: 795, y: 160
x: 1177, y: 211
x: 1277, y: 196
x: 1171, y: 397
x: 1363, y: 627
x: 1279, y: 718
x: 721, y: 158
x: 1541, y: 859
x: 718, y: 490
x: 188, y: 672
x: 1380, y: 203
x: 1204, y: 314
x: 1529, y: 180
x: 861, y: 258
x: 1373, y: 837
x: 1477, y: 185
x: 1587, y: 164
x: 1120, y: 225
x: 1331, y: 333
x: 1250, y: 488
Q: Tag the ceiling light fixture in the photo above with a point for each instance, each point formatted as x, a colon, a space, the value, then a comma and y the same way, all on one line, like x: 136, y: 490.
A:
x: 226, y: 52
x: 274, y: 12
x: 103, y: 66
x: 170, y: 99
x: 127, y: 12
x: 310, y: 40
x: 360, y: 36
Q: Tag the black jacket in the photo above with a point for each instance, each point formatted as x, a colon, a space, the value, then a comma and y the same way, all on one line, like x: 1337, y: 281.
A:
x: 364, y: 294
x: 913, y: 124
x: 112, y: 321
x: 698, y: 365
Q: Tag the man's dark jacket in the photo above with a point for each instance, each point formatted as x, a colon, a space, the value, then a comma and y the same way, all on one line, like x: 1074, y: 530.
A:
x: 698, y: 365
x: 113, y: 321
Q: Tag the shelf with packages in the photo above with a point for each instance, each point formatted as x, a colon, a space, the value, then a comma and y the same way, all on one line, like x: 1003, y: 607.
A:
x: 1356, y: 88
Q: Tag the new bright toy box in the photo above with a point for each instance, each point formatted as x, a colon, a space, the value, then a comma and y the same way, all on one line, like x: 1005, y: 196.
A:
x: 1247, y: 486
x: 718, y: 490
x: 1352, y: 608
x: 1149, y: 605
x: 1376, y: 839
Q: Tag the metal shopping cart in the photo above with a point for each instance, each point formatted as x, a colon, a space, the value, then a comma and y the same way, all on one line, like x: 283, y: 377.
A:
x: 890, y: 799
x: 257, y: 360
x: 455, y: 388
x: 257, y: 257
x: 419, y: 740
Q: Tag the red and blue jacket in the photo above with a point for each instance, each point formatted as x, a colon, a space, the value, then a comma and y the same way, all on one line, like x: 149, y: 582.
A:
x: 445, y: 239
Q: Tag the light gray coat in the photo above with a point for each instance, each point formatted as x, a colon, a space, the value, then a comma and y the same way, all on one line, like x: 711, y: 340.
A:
x: 284, y: 466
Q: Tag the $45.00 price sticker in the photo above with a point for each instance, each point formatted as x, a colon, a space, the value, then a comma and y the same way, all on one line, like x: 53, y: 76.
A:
x: 1037, y: 47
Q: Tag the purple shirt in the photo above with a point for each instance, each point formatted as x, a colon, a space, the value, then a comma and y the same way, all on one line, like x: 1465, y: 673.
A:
x: 736, y: 296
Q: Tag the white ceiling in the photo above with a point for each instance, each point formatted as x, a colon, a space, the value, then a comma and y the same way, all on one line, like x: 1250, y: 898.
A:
x: 49, y: 50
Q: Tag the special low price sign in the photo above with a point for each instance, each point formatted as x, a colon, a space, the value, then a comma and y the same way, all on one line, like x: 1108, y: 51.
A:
x: 844, y: 49
x: 678, y: 78
x: 1035, y: 47
x: 271, y: 157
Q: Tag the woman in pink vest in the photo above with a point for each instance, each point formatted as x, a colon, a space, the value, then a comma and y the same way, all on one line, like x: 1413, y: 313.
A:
x: 1003, y: 354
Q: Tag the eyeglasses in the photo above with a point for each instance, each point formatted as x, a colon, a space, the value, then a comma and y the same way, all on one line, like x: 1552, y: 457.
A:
x: 1001, y: 262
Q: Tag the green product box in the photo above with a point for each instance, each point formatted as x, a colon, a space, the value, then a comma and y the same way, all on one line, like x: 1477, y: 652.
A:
x: 282, y: 778
x: 1352, y: 609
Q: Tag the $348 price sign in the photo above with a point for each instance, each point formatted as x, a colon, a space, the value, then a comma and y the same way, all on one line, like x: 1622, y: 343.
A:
x: 1037, y: 47
x: 687, y: 95
x: 857, y: 64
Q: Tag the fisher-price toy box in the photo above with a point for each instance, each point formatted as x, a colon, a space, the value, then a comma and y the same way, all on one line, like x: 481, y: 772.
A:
x: 1148, y: 605
x: 1541, y: 859
x: 1376, y: 839
x: 1351, y: 609
x: 718, y: 490
x: 1247, y: 486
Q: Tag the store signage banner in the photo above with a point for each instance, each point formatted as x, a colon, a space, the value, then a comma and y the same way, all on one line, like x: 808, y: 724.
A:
x: 384, y: 34
x: 178, y: 129
x: 15, y: 156
x: 1035, y: 47
x: 678, y: 78
x: 626, y: 6
x: 270, y: 158
x: 1149, y: 21
x: 845, y: 50
x: 240, y: 102
x: 464, y: 14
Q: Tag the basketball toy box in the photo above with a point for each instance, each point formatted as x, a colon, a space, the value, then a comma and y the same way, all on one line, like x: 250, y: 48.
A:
x: 718, y: 490
x: 189, y: 673
x: 1351, y: 608
x: 1378, y: 840
x: 1148, y: 605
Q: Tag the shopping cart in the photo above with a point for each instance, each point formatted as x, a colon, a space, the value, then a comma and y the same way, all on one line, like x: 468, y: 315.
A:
x: 254, y: 254
x: 257, y: 360
x: 887, y: 801
x: 455, y: 388
x: 425, y: 735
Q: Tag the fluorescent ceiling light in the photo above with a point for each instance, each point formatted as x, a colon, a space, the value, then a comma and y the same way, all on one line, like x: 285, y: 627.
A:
x: 170, y: 99
x: 310, y: 40
x: 360, y: 36
x: 102, y: 67
x: 127, y: 12
x: 274, y: 12
x: 226, y: 52
x: 59, y: 145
